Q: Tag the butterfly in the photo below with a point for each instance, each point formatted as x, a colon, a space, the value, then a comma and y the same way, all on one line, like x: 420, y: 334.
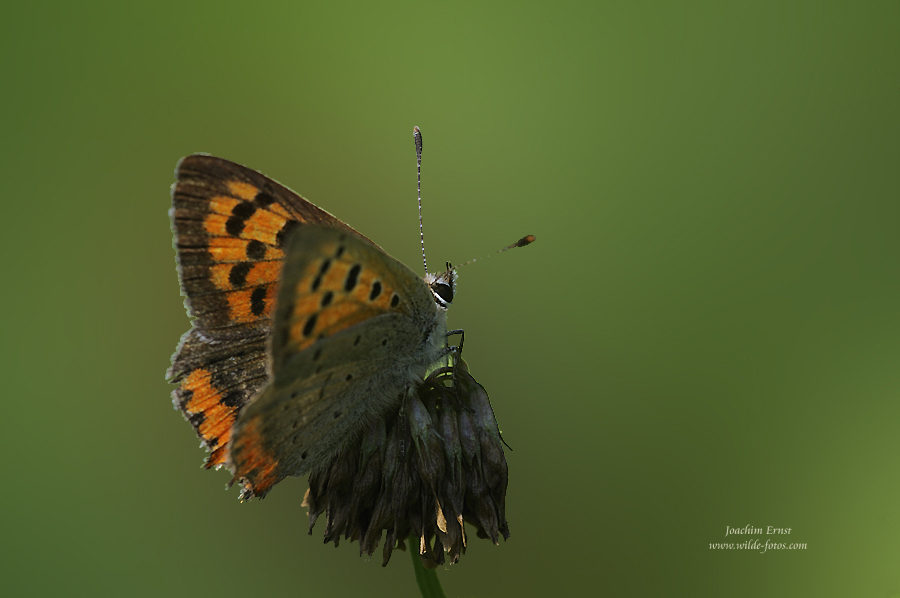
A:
x: 304, y: 330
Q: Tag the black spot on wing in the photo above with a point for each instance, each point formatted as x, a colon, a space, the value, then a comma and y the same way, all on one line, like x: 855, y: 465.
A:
x: 258, y: 301
x: 256, y: 250
x: 235, y: 398
x: 322, y: 270
x: 285, y: 230
x: 263, y: 199
x: 352, y: 277
x: 238, y: 275
x: 242, y: 212
x: 376, y: 291
x: 310, y: 325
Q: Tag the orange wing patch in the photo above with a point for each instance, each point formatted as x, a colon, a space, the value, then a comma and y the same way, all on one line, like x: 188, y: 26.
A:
x: 243, y: 217
x: 242, y: 189
x: 228, y: 249
x: 222, y: 204
x: 251, y: 304
x: 263, y: 226
x: 252, y: 463
x: 262, y: 273
x: 211, y: 416
x: 372, y: 291
x: 334, y: 294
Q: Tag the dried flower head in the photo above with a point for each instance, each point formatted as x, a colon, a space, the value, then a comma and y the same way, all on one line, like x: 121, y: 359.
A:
x: 423, y: 470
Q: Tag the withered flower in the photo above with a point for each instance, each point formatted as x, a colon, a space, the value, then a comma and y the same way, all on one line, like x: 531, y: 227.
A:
x: 422, y: 471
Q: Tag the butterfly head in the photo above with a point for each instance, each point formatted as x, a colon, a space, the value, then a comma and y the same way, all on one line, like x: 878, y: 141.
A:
x: 443, y: 286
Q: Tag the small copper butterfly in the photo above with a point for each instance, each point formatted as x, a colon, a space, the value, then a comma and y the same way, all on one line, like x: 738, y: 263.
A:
x: 303, y: 331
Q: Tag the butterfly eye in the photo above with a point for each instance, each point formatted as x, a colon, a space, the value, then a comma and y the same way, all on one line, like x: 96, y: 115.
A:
x: 444, y: 291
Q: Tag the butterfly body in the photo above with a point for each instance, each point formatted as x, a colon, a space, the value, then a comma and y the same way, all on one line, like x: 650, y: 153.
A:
x: 304, y: 330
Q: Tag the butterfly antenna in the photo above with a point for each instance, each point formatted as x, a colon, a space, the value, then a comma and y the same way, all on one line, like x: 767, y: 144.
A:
x: 526, y: 240
x: 417, y: 136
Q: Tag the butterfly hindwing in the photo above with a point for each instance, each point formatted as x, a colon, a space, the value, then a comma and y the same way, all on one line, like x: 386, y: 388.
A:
x: 230, y: 224
x: 350, y: 322
x: 215, y: 380
x: 290, y: 429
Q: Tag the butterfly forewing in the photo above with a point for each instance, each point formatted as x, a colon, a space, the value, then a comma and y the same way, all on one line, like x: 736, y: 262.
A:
x: 230, y: 224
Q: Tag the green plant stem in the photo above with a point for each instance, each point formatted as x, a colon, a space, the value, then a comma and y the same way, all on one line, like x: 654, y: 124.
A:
x: 426, y: 578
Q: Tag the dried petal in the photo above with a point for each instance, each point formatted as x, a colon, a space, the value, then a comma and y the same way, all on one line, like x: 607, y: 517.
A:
x: 424, y: 470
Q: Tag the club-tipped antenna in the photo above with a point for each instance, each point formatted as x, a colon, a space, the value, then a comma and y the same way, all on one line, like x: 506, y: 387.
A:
x: 526, y: 240
x: 417, y: 137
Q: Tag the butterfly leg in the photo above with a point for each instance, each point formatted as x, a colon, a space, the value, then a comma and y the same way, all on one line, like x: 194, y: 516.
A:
x: 462, y: 338
x: 452, y: 370
x: 457, y: 350
x: 449, y: 394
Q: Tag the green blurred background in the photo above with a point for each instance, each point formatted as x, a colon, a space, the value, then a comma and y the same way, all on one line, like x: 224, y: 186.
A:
x: 705, y: 334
